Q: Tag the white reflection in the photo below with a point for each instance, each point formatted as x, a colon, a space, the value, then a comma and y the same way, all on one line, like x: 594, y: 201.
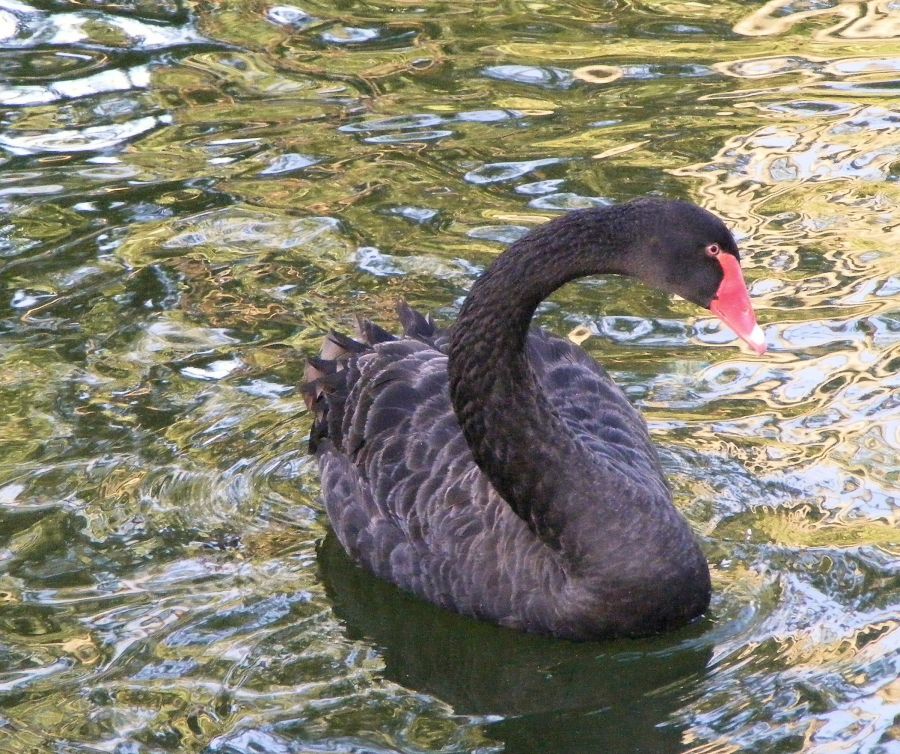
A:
x: 71, y: 28
x: 112, y: 80
x: 79, y: 140
x: 290, y: 15
x: 215, y: 370
x: 9, y: 25
x: 496, y: 172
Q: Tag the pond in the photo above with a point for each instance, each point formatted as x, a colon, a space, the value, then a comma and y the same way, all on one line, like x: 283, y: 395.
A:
x: 191, y: 194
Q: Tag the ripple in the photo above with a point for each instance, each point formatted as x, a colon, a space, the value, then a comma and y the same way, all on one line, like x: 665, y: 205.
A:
x: 22, y: 66
x: 288, y: 162
x: 505, y: 234
x: 348, y: 35
x: 372, y: 260
x: 89, y: 139
x: 498, y: 172
x: 98, y: 83
x: 801, y: 153
x: 562, y: 202
x: 811, y: 108
x: 17, y: 680
x: 541, y: 187
x: 290, y: 15
x: 598, y: 74
x: 394, y: 123
x: 167, y: 335
x: 116, y: 31
x: 855, y: 66
x: 488, y: 116
x: 214, y: 370
x: 376, y: 262
x: 265, y: 389
x: 251, y: 741
x: 844, y: 20
x: 226, y: 623
x: 9, y: 25
x: 767, y: 67
x: 419, y: 215
x: 167, y: 670
x: 244, y: 229
x: 409, y: 137
x: 23, y: 299
x: 545, y: 77
x: 869, y: 119
x: 636, y: 330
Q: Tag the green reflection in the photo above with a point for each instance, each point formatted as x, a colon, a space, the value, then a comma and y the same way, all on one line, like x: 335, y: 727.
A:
x: 192, y: 195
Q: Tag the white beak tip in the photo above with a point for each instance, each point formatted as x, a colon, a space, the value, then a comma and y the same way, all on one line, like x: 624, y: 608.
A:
x: 757, y: 340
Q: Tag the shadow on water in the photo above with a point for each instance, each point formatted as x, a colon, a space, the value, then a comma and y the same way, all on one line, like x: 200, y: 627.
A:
x: 544, y: 695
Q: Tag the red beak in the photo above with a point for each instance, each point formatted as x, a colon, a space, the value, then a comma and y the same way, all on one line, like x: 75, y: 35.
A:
x: 732, y: 305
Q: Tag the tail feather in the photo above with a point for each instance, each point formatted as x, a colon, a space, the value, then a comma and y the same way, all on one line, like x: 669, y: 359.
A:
x: 321, y: 367
x: 329, y: 376
x: 415, y: 325
x: 325, y: 386
x: 337, y: 346
x: 372, y: 333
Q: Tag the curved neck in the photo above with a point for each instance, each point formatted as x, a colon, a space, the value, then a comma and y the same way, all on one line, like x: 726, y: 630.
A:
x: 517, y: 439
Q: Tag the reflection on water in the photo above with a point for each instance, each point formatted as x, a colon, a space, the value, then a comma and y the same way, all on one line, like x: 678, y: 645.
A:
x: 535, y: 694
x: 192, y: 193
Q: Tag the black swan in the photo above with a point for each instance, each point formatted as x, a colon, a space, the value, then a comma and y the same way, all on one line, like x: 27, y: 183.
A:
x: 497, y: 470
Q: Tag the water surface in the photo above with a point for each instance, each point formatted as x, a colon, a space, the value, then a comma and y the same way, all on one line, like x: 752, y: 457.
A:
x: 192, y: 193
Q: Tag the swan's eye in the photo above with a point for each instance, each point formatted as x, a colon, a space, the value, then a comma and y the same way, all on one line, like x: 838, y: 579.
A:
x: 713, y: 250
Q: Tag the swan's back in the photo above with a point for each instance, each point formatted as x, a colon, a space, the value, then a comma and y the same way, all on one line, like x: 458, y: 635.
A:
x: 402, y: 490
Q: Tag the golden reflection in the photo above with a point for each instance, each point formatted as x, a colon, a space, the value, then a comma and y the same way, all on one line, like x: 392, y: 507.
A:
x: 50, y: 715
x: 528, y: 105
x: 813, y: 157
x: 122, y: 484
x: 721, y: 746
x: 579, y: 334
x: 809, y: 526
x: 84, y: 649
x: 816, y: 645
x: 891, y: 692
x: 876, y: 19
x: 677, y: 50
x: 598, y: 74
x: 787, y: 188
x: 619, y: 150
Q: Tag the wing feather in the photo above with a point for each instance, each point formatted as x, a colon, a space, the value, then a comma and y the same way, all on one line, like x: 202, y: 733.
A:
x: 401, y: 488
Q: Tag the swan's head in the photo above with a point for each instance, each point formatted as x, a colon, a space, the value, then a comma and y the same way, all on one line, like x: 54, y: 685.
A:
x: 686, y: 250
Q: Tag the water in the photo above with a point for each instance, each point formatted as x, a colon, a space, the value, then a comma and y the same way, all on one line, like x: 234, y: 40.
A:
x: 192, y: 193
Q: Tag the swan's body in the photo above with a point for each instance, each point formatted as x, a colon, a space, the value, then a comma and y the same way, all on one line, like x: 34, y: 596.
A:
x: 498, y: 471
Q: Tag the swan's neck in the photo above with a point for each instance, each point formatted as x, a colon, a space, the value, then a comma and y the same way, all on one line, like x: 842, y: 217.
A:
x: 517, y: 439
